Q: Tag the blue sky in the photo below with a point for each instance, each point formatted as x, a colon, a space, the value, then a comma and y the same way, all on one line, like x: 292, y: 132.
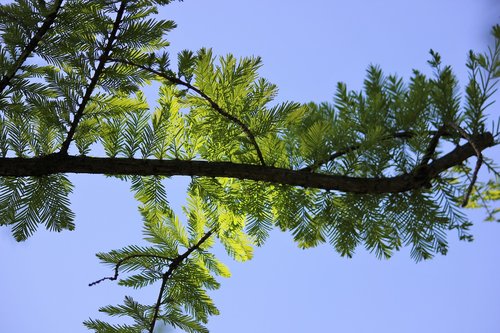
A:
x: 306, y: 48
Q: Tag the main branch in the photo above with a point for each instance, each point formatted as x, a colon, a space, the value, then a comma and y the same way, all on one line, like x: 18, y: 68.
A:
x: 56, y: 163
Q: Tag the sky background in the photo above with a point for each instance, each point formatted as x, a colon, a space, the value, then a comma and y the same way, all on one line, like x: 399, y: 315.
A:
x: 306, y: 47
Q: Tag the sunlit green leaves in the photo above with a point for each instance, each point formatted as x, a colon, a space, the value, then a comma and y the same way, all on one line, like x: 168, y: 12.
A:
x: 483, y: 195
x: 237, y: 111
x: 121, y: 121
x: 207, y: 204
x: 178, y: 258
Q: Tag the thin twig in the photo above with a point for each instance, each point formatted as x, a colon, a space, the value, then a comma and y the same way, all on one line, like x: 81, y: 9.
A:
x: 479, y: 161
x: 350, y: 149
x: 466, y: 136
x: 103, y: 59
x: 212, y: 103
x: 32, y: 44
x: 485, y: 205
x: 432, y: 146
x: 123, y: 260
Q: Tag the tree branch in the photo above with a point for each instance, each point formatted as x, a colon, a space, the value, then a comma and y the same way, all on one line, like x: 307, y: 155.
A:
x: 32, y: 44
x: 95, y: 78
x: 175, y: 263
x: 212, y: 103
x: 158, y: 301
x: 55, y: 163
x: 432, y: 146
x: 350, y: 149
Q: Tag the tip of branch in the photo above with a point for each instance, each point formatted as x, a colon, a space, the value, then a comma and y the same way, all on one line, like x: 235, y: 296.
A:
x: 111, y: 278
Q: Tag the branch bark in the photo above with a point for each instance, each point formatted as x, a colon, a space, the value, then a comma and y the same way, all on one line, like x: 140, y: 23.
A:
x: 421, y: 177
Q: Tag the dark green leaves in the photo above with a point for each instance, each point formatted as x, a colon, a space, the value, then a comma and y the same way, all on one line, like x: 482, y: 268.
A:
x: 186, y: 64
x: 27, y: 202
x: 484, y: 71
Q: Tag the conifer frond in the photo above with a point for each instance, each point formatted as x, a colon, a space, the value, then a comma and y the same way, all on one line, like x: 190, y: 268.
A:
x: 100, y: 326
x: 26, y: 203
x: 373, y: 168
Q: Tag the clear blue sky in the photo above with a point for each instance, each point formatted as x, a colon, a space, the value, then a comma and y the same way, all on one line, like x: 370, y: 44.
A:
x: 307, y: 46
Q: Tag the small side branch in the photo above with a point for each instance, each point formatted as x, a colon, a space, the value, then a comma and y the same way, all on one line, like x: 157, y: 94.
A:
x: 175, y: 263
x: 431, y: 149
x: 479, y: 161
x: 122, y: 261
x: 210, y: 101
x: 317, y: 164
x: 103, y: 59
x: 32, y: 44
x: 158, y: 302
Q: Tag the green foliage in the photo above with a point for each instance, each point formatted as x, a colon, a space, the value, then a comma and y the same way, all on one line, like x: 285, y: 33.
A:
x: 27, y: 202
x: 179, y: 257
x: 484, y: 69
x: 68, y: 87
